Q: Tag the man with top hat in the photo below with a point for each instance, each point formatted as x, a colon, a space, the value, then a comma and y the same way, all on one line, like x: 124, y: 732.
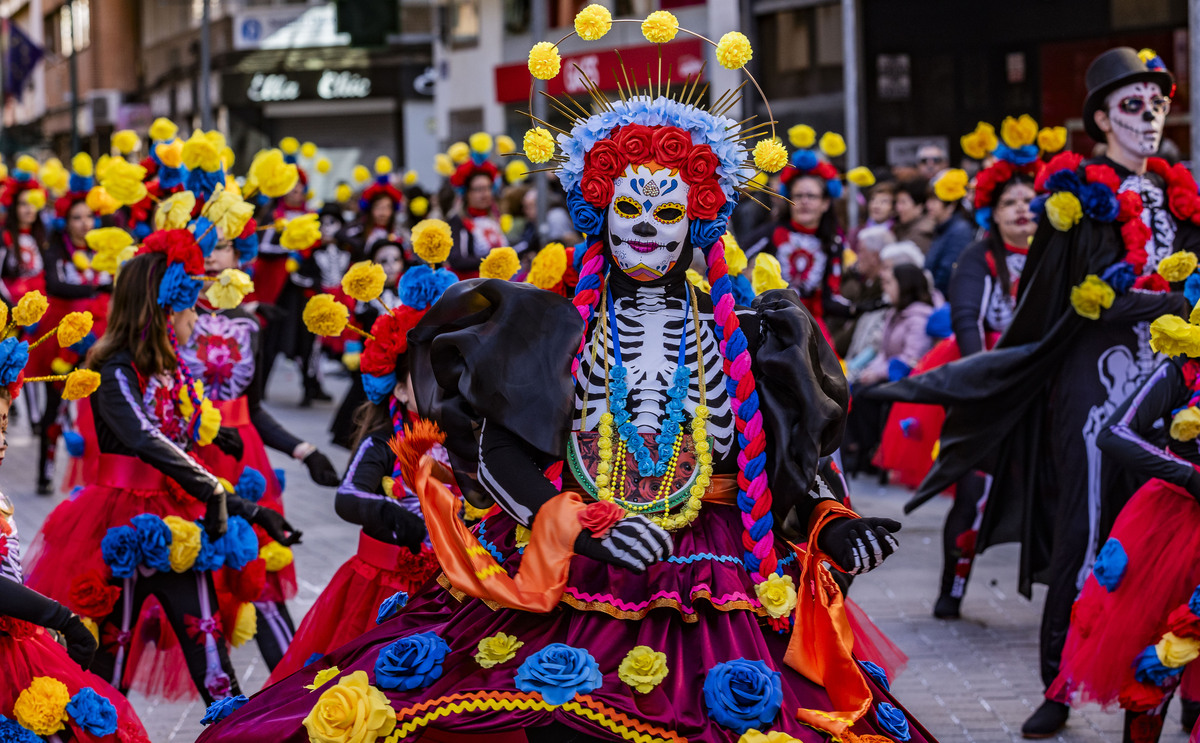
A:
x: 1099, y: 269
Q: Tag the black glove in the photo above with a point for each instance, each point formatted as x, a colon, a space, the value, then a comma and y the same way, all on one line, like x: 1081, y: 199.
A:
x: 634, y: 543
x: 216, y: 515
x: 276, y: 526
x: 394, y: 525
x: 321, y: 470
x: 859, y: 545
x: 229, y: 441
x: 81, y: 644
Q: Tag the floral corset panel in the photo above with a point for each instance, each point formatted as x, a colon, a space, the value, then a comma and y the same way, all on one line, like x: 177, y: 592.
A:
x: 160, y: 402
x: 220, y: 354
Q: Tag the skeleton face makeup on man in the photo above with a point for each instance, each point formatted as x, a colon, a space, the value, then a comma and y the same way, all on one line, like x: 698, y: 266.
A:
x: 647, y: 221
x: 1136, y: 115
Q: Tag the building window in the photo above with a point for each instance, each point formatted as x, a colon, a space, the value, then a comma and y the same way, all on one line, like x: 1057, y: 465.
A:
x: 802, y: 51
x: 464, y: 23
x: 71, y: 28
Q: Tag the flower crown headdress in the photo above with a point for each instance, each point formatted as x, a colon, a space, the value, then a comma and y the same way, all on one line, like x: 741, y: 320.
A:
x: 23, y: 178
x: 808, y: 160
x: 1019, y: 149
x: 464, y: 160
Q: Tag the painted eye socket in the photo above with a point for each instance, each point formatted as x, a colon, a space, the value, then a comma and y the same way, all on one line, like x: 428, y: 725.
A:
x: 627, y: 207
x: 669, y: 213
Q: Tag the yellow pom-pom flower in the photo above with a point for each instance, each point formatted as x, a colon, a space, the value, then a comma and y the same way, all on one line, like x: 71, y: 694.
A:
x: 54, y: 176
x: 777, y: 594
x: 364, y: 281
x: 480, y: 142
x: 246, y: 625
x: 500, y: 263
x: 593, y: 22
x: 80, y: 260
x: 274, y: 176
x: 419, y: 207
x: 769, y: 155
x: 30, y: 308
x: 73, y: 328
x: 735, y: 257
x: 497, y: 649
x: 767, y: 274
x: 42, y: 707
x: 350, y: 711
x: 361, y: 173
x: 1147, y: 55
x: 91, y: 627
x: 802, y: 136
x: 951, y: 186
x: 383, y: 165
x: 210, y: 423
x: 516, y: 171
x: 324, y: 315
x: 163, y: 129
x: 443, y: 165
x: 230, y: 288
x: 36, y: 198
x: 1177, y: 266
x: 113, y: 247
x: 126, y: 141
x: 289, y: 145
x: 660, y: 27
x: 734, y: 50
x: 276, y: 556
x: 185, y: 543
x: 1176, y: 652
x: 459, y: 152
x: 979, y: 143
x: 861, y: 176
x: 200, y: 154
x: 28, y: 163
x: 506, y: 223
x: 170, y: 153
x: 301, y: 232
x: 539, y: 145
x: 80, y: 383
x: 228, y: 211
x: 343, y: 193
x: 1052, y: 138
x: 1174, y: 336
x: 60, y: 366
x: 410, y: 177
x: 82, y: 165
x: 1019, y: 132
x: 1185, y: 425
x: 308, y: 150
x: 1063, y: 210
x: 504, y: 146
x: 432, y: 240
x: 1091, y: 296
x: 123, y: 181
x: 643, y: 668
x: 323, y: 166
x: 548, y: 267
x: 544, y: 60
x: 832, y: 144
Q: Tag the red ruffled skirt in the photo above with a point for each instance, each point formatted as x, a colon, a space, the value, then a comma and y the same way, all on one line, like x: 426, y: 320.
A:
x: 1160, y: 531
x: 29, y: 652
x: 235, y: 413
x: 350, y: 603
x: 41, y: 357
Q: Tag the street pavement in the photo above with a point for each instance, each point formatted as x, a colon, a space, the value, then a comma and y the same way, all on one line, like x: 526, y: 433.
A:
x: 973, y: 680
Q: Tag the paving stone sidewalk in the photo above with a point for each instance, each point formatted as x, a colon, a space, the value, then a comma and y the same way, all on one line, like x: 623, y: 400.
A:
x: 972, y: 680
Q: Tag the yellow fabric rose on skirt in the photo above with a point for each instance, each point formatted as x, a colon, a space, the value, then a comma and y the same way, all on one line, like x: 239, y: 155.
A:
x: 643, y: 668
x: 777, y: 594
x: 497, y: 649
x: 350, y: 711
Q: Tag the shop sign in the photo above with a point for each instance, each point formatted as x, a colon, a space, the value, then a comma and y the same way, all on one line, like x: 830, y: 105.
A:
x: 270, y: 88
x: 334, y: 84
x: 344, y: 84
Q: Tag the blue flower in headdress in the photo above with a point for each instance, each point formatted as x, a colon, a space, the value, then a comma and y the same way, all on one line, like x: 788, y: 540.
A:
x: 92, y: 712
x: 586, y: 218
x: 1018, y: 156
x: 14, y: 355
x: 378, y: 388
x: 1063, y: 180
x: 178, y: 290
x: 833, y: 187
x: 1120, y: 276
x: 141, y: 230
x: 79, y: 183
x: 251, y: 485
x: 169, y: 177
x: 804, y: 159
x: 1099, y: 202
x: 205, y: 233
x: 247, y: 247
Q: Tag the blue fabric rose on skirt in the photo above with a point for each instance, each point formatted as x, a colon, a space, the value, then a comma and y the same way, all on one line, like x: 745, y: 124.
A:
x: 1110, y: 565
x: 154, y: 541
x: 742, y: 694
x: 411, y: 662
x: 893, y: 721
x: 391, y: 606
x: 92, y: 712
x: 223, y: 708
x: 558, y: 672
x: 121, y: 551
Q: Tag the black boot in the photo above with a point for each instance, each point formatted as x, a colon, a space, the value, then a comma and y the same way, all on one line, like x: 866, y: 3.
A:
x: 1189, y: 714
x: 947, y: 607
x: 1141, y: 727
x: 1046, y: 721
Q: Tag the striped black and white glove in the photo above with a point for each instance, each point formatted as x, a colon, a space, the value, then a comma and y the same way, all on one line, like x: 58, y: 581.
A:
x: 634, y: 543
x: 859, y: 545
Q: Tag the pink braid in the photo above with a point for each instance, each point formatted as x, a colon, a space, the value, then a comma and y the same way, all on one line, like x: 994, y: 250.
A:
x: 587, y: 293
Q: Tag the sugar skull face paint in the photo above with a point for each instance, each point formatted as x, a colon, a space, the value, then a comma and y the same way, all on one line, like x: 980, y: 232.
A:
x: 647, y: 221
x: 1138, y: 112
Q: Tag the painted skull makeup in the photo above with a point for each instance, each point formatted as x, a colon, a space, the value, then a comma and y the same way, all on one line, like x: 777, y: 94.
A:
x: 647, y: 221
x: 1138, y: 112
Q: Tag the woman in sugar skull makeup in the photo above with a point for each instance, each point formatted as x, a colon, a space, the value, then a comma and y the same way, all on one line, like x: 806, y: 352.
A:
x: 648, y: 455
x: 1114, y: 234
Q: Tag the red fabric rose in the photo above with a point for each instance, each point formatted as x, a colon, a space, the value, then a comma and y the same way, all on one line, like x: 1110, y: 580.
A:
x: 1182, y: 621
x: 185, y: 250
x: 1158, y: 166
x: 1130, y: 204
x: 18, y: 629
x: 600, y: 517
x: 825, y: 170
x: 606, y: 159
x: 92, y: 596
x: 597, y: 189
x: 1152, y: 283
x: 1102, y: 174
x: 1061, y: 161
x: 634, y: 140
x: 1138, y: 697
x: 1183, y: 203
x: 1135, y: 233
x: 701, y: 165
x: 391, y: 339
x: 705, y: 200
x: 1181, y: 177
x: 671, y: 146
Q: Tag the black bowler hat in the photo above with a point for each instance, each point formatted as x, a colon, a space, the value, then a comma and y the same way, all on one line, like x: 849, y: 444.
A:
x: 1114, y: 69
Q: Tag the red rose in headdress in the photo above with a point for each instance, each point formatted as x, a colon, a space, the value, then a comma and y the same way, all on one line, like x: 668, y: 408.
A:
x: 1102, y: 174
x: 1183, y: 623
x: 671, y: 146
x: 700, y: 166
x: 1061, y: 161
x: 634, y: 140
x: 825, y: 170
x: 605, y: 158
x: 390, y: 333
x: 596, y: 189
x: 250, y: 229
x: 705, y: 200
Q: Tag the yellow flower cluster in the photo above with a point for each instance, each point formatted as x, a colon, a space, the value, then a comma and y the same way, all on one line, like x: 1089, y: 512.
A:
x: 593, y: 22
x: 324, y: 315
x: 42, y: 706
x: 27, y: 163
x: 54, y: 176
x: 289, y: 145
x: 767, y: 274
x: 1019, y: 132
x: 308, y: 150
x: 1177, y: 266
x: 497, y: 649
x: 431, y: 240
x: 82, y: 164
x: 245, y: 626
x: 480, y: 142
x: 323, y: 165
x: 361, y: 173
x: 1174, y: 336
x: 171, y: 153
x: 126, y: 141
x: 548, y: 266
x: 301, y: 233
x: 504, y: 145
x: 228, y: 211
x: 271, y: 174
x: 113, y: 245
x: 832, y: 144
x: 199, y: 153
x: 459, y: 152
x: 1052, y: 138
x: 769, y: 155
x: 323, y: 677
x: 419, y: 207
x: 210, y: 423
x: 1147, y: 55
x: 36, y: 198
x: 516, y: 171
x: 861, y: 176
x: 342, y: 193
x: 276, y: 556
x: 163, y: 129
x: 802, y: 136
x: 734, y: 50
x: 1063, y: 210
x: 643, y: 668
x: 123, y: 181
x: 73, y: 328
x: 544, y: 61
x: 383, y: 165
x: 1185, y: 425
x: 185, y: 543
x: 350, y: 711
x: 1176, y: 652
x: 30, y: 308
x: 980, y: 143
x: 173, y: 213
x: 100, y: 202
x: 230, y: 288
x: 951, y: 186
x: 539, y: 145
x: 443, y: 164
x: 660, y: 27
x: 81, y: 260
x: 364, y: 281
x: 1091, y: 296
x: 500, y: 263
x: 777, y: 594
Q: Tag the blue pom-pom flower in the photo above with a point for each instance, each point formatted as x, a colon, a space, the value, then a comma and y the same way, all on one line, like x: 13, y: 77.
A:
x: 1110, y: 565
